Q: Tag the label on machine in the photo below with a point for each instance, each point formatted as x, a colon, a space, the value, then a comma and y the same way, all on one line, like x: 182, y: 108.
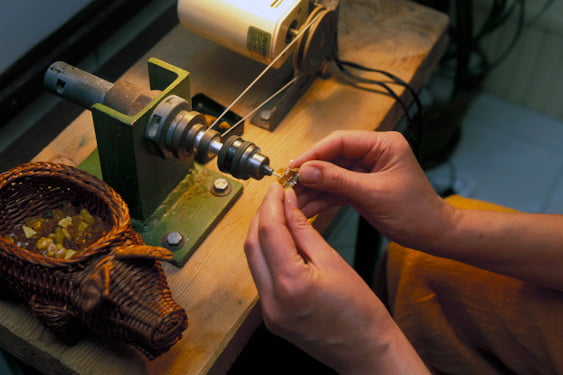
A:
x: 258, y: 42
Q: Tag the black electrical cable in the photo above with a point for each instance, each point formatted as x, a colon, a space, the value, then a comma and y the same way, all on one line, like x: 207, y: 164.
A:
x: 382, y: 84
x: 500, y: 12
x: 519, y: 29
x: 397, y: 80
x: 414, y: 130
x: 541, y: 12
x: 492, y: 21
x: 494, y: 13
x: 501, y: 18
x: 468, y: 44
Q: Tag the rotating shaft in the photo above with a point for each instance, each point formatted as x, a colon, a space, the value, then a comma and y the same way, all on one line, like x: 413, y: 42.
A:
x: 173, y: 130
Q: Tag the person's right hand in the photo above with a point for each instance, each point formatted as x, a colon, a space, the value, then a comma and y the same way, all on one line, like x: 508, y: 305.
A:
x: 378, y: 175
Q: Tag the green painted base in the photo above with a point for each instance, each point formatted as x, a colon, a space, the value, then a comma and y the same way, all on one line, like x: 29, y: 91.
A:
x: 191, y: 209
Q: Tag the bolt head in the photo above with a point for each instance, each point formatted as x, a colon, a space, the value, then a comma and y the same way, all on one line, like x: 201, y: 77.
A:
x: 220, y: 185
x: 174, y: 239
x: 266, y: 115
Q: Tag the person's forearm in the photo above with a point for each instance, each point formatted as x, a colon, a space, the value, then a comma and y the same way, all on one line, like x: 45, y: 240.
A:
x: 520, y: 245
x: 398, y: 357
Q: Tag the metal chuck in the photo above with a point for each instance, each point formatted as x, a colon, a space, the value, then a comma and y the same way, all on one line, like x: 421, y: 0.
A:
x: 174, y: 131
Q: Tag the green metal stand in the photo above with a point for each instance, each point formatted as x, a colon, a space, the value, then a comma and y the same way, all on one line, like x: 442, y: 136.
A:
x: 172, y: 202
x: 189, y: 212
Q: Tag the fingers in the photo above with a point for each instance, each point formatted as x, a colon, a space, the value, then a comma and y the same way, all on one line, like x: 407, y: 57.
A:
x: 313, y: 202
x: 274, y: 240
x: 342, y: 144
x: 266, y: 237
x: 256, y: 261
x: 327, y: 177
x: 309, y: 242
x: 280, y: 241
x: 342, y: 168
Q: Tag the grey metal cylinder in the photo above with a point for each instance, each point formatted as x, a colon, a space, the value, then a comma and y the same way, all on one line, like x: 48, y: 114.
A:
x: 243, y: 159
x: 75, y: 85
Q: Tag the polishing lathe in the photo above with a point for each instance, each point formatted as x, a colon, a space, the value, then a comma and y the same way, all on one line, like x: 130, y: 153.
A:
x: 173, y: 129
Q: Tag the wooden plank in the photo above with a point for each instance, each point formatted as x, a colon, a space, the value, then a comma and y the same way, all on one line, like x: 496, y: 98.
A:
x: 215, y: 286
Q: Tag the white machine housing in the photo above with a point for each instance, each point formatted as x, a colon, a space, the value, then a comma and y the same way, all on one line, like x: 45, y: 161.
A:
x: 259, y: 29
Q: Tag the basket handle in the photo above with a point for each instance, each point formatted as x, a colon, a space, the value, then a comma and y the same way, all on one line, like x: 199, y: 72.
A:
x: 143, y: 252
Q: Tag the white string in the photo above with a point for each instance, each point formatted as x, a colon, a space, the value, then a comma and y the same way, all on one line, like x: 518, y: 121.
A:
x: 261, y: 105
x: 264, y: 72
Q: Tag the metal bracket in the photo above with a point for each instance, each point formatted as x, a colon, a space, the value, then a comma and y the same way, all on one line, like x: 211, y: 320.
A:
x: 142, y: 177
x: 173, y: 202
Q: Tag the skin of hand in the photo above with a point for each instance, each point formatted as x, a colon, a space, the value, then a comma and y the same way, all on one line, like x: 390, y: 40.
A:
x: 377, y: 174
x: 313, y: 298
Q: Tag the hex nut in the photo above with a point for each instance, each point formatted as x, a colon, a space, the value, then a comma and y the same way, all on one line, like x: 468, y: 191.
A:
x: 173, y: 239
x: 220, y: 187
x: 266, y: 115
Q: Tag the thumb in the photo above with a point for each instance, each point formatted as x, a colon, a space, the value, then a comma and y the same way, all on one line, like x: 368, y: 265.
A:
x: 305, y: 236
x: 328, y: 177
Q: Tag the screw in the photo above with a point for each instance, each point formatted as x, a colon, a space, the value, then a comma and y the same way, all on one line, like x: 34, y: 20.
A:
x: 174, y: 239
x: 266, y: 115
x: 220, y: 186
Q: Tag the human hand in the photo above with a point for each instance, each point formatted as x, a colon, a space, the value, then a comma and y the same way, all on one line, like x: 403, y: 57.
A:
x: 378, y: 175
x: 313, y: 298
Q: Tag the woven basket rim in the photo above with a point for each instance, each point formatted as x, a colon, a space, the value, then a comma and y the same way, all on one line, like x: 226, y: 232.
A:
x: 120, y: 219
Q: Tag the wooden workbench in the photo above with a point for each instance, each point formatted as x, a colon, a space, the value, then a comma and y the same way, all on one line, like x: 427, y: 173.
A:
x: 215, y: 286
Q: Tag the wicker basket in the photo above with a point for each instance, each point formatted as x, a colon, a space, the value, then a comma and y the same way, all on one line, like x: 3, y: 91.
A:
x: 116, y: 286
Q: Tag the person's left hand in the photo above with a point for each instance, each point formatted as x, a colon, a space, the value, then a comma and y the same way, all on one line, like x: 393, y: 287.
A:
x: 310, y: 295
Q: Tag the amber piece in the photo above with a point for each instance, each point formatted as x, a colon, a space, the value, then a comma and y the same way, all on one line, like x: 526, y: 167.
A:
x: 289, y: 177
x: 223, y: 125
x: 60, y: 233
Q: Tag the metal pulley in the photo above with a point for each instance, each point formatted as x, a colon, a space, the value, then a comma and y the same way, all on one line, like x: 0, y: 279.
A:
x: 300, y: 32
x: 315, y: 45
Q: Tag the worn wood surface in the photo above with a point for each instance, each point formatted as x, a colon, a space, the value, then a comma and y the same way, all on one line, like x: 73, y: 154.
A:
x: 215, y: 286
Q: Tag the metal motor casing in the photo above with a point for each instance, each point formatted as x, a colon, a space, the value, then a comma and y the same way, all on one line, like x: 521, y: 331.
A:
x: 258, y: 29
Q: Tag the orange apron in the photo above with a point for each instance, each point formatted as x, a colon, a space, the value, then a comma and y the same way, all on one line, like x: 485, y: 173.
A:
x: 465, y: 320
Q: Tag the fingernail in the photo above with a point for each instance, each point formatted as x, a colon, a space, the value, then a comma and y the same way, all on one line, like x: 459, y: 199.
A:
x: 291, y: 198
x: 309, y: 174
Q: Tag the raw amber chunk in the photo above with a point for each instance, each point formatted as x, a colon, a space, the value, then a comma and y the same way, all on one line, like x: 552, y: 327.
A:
x: 60, y: 233
x: 289, y: 177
